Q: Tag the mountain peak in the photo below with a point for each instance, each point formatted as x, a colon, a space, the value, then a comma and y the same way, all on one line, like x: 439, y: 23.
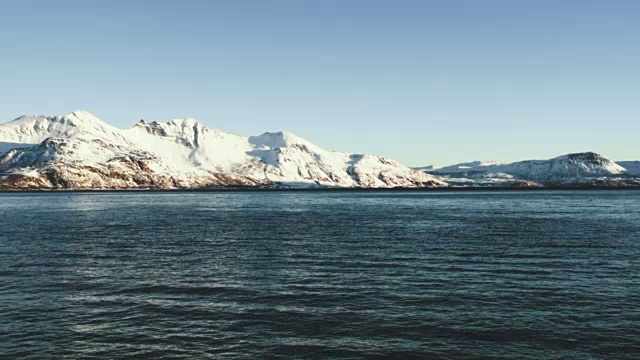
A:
x: 187, y: 122
x: 81, y: 114
x: 280, y: 139
x: 81, y: 117
x: 562, y: 168
x: 35, y: 129
x: 588, y: 157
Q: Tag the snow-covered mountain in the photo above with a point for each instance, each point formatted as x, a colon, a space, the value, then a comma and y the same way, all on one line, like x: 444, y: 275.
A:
x: 466, y: 167
x: 578, y: 168
x: 80, y: 151
x: 35, y: 129
x: 632, y: 167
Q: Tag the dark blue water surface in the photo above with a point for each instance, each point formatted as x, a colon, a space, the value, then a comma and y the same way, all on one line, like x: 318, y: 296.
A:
x: 320, y: 275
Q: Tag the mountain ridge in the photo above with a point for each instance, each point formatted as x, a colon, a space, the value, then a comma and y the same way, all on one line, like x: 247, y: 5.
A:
x: 575, y: 168
x: 80, y: 151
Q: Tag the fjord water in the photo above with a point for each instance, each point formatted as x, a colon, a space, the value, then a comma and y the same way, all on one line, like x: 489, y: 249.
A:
x: 544, y: 274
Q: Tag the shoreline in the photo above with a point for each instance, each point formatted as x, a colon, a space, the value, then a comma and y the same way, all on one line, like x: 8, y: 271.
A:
x: 347, y: 190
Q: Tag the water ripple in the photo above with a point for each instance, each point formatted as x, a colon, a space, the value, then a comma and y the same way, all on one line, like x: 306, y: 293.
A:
x: 320, y: 275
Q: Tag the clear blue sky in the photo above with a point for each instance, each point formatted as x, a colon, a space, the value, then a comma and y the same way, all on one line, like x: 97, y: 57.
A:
x: 424, y: 82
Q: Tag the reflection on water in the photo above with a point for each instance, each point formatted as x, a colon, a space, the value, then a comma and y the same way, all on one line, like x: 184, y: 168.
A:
x: 320, y: 274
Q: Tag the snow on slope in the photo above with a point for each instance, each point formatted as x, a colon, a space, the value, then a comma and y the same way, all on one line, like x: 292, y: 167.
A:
x: 80, y: 151
x: 578, y: 165
x: 186, y: 145
x: 571, y: 165
x: 467, y: 167
x: 631, y: 167
x: 31, y: 130
x: 280, y: 157
x: 562, y: 169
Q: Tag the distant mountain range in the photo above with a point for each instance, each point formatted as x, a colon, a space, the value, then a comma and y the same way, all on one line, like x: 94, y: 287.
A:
x: 79, y: 151
x: 573, y: 169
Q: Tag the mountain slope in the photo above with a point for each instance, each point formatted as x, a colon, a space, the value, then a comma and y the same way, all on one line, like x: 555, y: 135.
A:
x: 269, y: 158
x: 632, y: 168
x: 79, y: 151
x: 566, y: 169
x: 30, y: 130
x: 466, y: 167
x: 579, y: 165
